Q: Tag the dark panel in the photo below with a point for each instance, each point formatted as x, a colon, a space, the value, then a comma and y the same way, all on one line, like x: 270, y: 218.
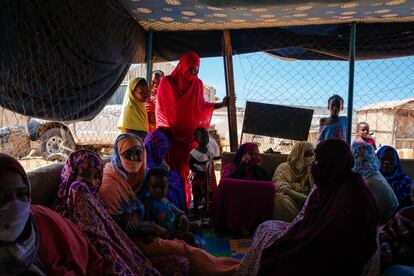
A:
x: 63, y: 60
x: 277, y: 121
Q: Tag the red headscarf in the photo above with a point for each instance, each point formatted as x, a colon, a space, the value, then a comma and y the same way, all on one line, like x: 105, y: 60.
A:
x: 337, y: 234
x: 181, y: 109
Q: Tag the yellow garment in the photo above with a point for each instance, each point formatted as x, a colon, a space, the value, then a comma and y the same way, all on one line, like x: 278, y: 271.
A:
x: 134, y: 113
x: 292, y: 175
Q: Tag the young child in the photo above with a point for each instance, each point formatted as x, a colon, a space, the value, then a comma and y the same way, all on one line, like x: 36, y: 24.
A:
x: 333, y: 127
x: 363, y: 135
x: 202, y: 166
x: 160, y: 210
x: 133, y: 117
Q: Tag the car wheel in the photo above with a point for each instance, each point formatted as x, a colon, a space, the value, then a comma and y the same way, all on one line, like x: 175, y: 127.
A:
x: 55, y: 141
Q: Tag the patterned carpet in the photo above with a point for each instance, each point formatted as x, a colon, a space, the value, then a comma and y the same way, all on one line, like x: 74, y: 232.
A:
x: 225, y: 246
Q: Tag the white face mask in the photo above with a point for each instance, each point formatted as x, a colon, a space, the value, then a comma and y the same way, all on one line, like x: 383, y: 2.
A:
x: 13, y: 219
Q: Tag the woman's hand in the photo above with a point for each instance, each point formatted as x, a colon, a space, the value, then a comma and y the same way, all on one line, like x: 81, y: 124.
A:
x: 162, y: 232
x: 225, y: 101
x: 183, y: 222
x: 386, y: 253
x: 246, y: 158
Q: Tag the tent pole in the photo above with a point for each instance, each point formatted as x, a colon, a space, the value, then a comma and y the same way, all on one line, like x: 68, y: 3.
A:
x: 352, y: 45
x: 230, y: 89
x: 149, y: 57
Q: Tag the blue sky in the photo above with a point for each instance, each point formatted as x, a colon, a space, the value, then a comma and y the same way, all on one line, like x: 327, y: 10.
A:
x: 263, y: 78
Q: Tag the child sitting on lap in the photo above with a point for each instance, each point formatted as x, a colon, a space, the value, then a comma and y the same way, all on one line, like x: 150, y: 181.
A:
x: 161, y: 211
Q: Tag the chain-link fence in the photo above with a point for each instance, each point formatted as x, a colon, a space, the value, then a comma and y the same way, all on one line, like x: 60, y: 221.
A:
x: 38, y: 142
x: 383, y: 90
x: 384, y: 96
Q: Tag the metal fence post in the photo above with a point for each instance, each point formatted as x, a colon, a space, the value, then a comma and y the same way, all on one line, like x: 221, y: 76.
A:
x: 149, y: 56
x: 352, y: 45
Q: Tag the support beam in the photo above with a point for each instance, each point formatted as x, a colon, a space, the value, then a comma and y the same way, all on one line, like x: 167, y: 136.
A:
x: 230, y: 89
x: 352, y: 45
x: 149, y: 57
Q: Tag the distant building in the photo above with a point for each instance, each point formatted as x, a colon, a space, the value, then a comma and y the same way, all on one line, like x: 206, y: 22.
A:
x: 391, y: 122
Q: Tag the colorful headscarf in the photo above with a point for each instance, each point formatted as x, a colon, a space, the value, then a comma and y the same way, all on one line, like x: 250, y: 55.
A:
x: 136, y: 180
x: 134, y: 113
x: 398, y: 180
x: 80, y: 203
x: 120, y: 189
x: 77, y: 162
x: 297, y: 160
x: 22, y: 255
x: 366, y: 162
x: 157, y: 145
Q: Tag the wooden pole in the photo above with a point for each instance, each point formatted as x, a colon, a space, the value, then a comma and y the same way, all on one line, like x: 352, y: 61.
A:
x: 230, y: 89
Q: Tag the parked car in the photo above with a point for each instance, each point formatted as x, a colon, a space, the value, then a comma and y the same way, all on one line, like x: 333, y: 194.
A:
x: 53, y: 137
x: 55, y: 140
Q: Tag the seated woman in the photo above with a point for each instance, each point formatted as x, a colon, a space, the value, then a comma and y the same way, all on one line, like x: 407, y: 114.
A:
x: 293, y: 182
x: 133, y: 118
x: 397, y: 242
x: 246, y: 165
x: 78, y: 201
x: 122, y: 181
x: 392, y: 170
x: 334, y: 234
x: 367, y: 165
x: 35, y: 240
x: 157, y: 145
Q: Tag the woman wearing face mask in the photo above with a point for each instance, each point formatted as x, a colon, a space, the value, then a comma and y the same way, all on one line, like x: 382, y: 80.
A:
x: 122, y: 181
x: 35, y: 240
x: 133, y: 118
x: 293, y: 182
x: 246, y: 165
x: 181, y: 109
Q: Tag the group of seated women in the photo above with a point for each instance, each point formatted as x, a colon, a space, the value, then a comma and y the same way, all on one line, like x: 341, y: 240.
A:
x: 126, y: 217
x: 327, y: 207
x: 97, y: 224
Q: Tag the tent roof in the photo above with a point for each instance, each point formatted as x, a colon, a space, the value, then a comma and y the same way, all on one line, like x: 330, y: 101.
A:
x: 190, y: 15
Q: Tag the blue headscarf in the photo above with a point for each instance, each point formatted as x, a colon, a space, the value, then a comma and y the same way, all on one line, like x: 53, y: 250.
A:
x: 399, y: 182
x: 366, y: 162
x: 116, y: 159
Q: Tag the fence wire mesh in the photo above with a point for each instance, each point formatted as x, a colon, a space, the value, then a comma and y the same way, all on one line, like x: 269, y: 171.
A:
x: 384, y: 98
x: 383, y: 91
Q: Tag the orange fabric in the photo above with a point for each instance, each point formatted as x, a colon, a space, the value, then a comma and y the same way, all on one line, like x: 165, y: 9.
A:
x: 201, y: 262
x: 135, y: 180
x: 115, y: 190
x: 64, y: 248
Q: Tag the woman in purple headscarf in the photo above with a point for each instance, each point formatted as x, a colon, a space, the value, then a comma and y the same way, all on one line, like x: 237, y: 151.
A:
x: 78, y: 201
x: 157, y: 145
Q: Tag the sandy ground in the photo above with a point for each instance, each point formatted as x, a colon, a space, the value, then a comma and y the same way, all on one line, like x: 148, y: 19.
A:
x: 32, y: 163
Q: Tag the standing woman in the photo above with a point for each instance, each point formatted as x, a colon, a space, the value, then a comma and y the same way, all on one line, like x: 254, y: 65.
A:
x: 181, y: 109
x: 133, y: 117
